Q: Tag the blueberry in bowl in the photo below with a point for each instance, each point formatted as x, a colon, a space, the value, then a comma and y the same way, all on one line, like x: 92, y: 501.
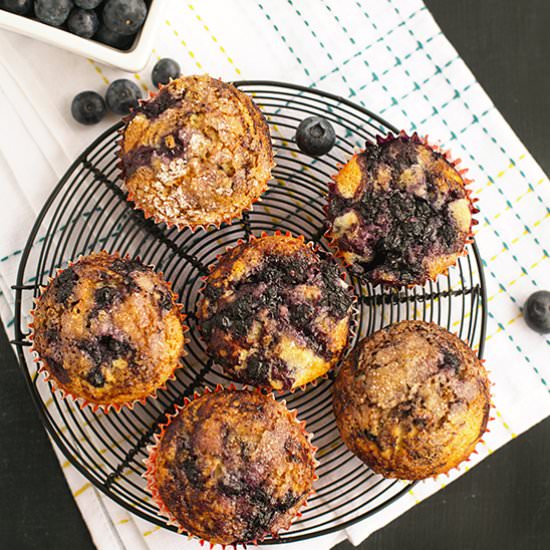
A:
x: 87, y: 4
x: 124, y: 16
x: 84, y: 23
x: 20, y: 7
x: 119, y: 41
x: 52, y: 12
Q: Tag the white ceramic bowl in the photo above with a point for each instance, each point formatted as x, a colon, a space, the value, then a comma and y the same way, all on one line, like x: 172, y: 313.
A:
x: 132, y: 60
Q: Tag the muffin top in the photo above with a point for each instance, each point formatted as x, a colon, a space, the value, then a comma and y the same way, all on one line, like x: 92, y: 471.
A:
x: 234, y: 466
x: 399, y: 212
x: 107, y: 329
x: 197, y: 153
x: 274, y: 313
x: 412, y: 400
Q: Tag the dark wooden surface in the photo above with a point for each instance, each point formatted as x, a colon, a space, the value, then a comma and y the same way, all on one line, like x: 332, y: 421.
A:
x: 504, y: 503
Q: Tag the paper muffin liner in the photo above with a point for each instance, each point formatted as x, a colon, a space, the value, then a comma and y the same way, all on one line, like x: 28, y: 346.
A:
x: 353, y: 315
x: 151, y: 463
x: 446, y: 153
x: 181, y: 226
x: 82, y: 402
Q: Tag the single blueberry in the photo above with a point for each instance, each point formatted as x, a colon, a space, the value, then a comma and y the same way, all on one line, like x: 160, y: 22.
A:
x: 21, y: 7
x: 119, y: 41
x: 164, y: 70
x: 124, y: 16
x: 536, y: 311
x: 315, y: 136
x: 88, y: 107
x: 52, y: 12
x: 83, y: 23
x: 87, y: 4
x: 122, y: 96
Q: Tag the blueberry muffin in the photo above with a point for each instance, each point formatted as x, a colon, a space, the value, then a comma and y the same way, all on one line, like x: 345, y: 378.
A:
x: 399, y: 212
x: 232, y: 467
x: 275, y: 313
x: 197, y: 153
x: 108, y: 330
x: 412, y: 401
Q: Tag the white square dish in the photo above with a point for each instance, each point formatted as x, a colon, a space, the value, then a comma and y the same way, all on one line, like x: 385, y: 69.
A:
x: 132, y: 60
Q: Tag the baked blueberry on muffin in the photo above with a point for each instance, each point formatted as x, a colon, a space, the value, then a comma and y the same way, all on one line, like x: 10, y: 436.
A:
x: 232, y: 467
x: 412, y: 400
x: 108, y: 330
x: 399, y: 212
x: 197, y: 153
x: 275, y: 313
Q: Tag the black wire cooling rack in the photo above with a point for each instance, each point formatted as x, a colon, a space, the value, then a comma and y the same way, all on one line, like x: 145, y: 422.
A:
x: 88, y: 211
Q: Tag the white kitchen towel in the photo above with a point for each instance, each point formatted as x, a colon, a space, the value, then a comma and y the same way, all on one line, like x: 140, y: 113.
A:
x: 389, y: 56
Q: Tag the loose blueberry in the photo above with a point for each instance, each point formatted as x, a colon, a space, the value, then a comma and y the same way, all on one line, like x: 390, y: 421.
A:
x: 124, y: 16
x: 52, y: 12
x: 164, y: 70
x: 119, y: 41
x: 536, y: 311
x: 21, y: 7
x: 87, y: 4
x: 122, y: 96
x: 88, y: 108
x: 315, y: 136
x: 83, y: 22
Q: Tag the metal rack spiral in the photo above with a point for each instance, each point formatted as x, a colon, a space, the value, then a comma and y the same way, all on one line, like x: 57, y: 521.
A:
x: 88, y: 211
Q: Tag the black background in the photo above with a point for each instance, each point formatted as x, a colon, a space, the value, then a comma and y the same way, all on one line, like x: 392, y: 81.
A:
x: 504, y: 503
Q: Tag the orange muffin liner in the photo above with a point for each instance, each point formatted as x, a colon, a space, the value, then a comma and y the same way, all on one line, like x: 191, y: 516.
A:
x: 151, y: 463
x: 147, y: 214
x: 82, y: 402
x: 453, y: 162
x: 354, y: 313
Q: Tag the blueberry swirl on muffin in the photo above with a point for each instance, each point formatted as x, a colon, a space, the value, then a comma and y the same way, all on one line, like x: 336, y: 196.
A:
x: 196, y: 154
x: 275, y: 313
x: 399, y: 212
x: 412, y: 400
x: 108, y: 330
x: 232, y: 467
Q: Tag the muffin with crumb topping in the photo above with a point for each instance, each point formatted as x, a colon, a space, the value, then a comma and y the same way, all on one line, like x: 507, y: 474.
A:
x: 232, y: 467
x: 275, y: 313
x: 196, y: 154
x: 399, y: 212
x: 412, y: 400
x: 108, y: 330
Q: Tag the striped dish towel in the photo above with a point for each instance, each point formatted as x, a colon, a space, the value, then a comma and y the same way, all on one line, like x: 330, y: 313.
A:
x: 389, y: 56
